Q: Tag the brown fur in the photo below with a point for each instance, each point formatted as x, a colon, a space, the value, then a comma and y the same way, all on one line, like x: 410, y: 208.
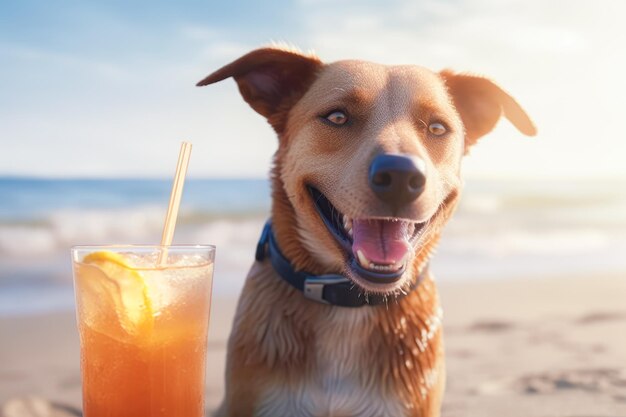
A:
x: 280, y: 341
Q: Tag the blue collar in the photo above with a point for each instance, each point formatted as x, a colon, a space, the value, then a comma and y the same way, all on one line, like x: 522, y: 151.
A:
x: 328, y: 289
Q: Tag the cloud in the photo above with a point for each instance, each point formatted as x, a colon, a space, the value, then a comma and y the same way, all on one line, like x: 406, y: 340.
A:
x: 32, y: 56
x: 436, y: 33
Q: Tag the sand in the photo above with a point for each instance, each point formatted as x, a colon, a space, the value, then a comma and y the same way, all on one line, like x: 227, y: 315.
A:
x: 551, y: 347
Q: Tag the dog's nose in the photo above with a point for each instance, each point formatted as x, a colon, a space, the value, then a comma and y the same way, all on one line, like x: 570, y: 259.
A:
x: 397, y: 179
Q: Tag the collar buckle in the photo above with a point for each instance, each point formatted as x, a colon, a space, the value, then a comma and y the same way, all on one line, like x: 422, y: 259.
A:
x: 314, y: 286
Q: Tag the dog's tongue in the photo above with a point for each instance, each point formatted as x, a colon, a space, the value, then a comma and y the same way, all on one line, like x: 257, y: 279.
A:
x: 383, y: 242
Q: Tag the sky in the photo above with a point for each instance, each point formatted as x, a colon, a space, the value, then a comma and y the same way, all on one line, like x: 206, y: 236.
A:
x: 106, y: 88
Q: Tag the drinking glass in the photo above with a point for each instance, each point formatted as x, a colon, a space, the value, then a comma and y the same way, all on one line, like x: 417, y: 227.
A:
x: 143, y: 315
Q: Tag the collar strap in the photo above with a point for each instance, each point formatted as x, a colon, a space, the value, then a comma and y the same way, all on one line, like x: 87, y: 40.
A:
x: 328, y: 289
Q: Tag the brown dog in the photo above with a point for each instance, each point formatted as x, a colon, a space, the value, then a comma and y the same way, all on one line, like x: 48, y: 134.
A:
x: 365, y: 177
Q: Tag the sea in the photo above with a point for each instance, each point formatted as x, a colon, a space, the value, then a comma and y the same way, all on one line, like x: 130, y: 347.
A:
x: 503, y: 229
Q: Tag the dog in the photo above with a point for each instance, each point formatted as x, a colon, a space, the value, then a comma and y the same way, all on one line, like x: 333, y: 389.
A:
x: 339, y: 315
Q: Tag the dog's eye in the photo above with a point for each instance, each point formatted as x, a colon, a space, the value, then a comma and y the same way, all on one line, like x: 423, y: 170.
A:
x: 337, y: 117
x: 437, y: 129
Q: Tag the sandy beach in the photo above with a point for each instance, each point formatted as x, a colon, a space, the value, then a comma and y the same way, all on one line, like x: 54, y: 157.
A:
x: 518, y: 105
x: 551, y: 347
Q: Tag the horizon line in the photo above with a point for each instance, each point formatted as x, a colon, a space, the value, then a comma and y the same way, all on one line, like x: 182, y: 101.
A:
x: 476, y: 177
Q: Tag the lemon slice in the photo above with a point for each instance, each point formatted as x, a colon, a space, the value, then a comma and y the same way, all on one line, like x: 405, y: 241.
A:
x: 126, y: 289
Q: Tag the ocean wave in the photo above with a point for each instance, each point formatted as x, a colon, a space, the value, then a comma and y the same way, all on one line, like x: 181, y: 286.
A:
x: 523, y: 242
x: 500, y: 230
x: 35, y: 265
x: 64, y: 228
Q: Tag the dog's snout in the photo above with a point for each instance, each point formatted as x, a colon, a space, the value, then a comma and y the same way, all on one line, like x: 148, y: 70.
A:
x: 397, y: 179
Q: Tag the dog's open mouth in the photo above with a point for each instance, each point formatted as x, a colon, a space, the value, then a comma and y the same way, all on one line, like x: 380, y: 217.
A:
x: 378, y: 249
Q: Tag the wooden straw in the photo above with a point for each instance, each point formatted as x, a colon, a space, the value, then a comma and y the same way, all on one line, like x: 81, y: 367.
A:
x: 175, y: 196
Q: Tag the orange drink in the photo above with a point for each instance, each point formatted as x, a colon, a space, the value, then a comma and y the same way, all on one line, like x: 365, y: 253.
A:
x: 143, y: 315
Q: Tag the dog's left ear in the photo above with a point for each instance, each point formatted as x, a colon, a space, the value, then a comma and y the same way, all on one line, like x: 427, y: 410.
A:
x: 271, y: 80
x: 480, y: 103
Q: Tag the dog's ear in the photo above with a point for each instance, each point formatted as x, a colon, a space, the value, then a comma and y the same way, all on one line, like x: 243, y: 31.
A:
x: 271, y: 80
x: 480, y: 103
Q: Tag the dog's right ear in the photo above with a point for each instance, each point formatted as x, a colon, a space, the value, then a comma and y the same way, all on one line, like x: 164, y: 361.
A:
x: 271, y: 80
x: 480, y: 103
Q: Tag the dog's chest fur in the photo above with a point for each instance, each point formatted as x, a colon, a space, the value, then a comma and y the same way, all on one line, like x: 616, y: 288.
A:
x: 336, y: 361
x: 335, y: 386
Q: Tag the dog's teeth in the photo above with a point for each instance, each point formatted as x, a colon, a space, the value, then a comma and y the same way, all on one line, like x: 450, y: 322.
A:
x: 392, y: 267
x: 383, y: 268
x: 362, y: 259
x: 347, y: 224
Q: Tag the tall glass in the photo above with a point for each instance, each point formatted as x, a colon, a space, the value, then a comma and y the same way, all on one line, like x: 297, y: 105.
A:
x: 143, y: 314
